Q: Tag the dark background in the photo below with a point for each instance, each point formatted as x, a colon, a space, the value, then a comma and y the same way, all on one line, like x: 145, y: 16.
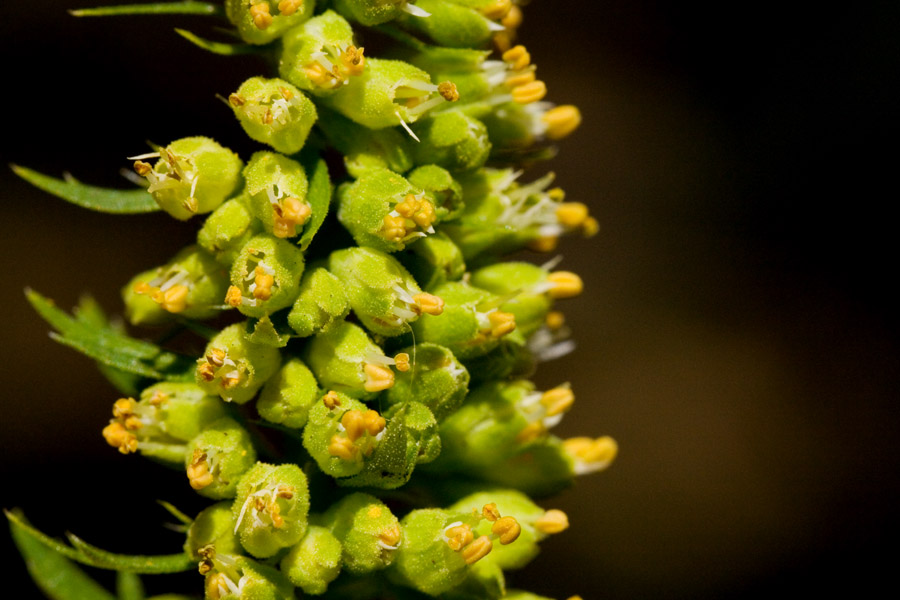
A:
x: 737, y: 336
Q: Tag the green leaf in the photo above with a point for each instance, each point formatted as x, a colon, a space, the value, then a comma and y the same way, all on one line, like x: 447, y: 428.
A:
x: 319, y: 197
x: 89, y: 312
x: 160, y: 8
x: 221, y: 48
x: 165, y: 563
x: 129, y: 586
x: 57, y: 576
x: 103, y: 200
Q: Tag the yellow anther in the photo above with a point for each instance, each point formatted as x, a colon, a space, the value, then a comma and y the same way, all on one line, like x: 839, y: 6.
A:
x: 546, y: 243
x: 285, y: 491
x: 331, y: 400
x: 233, y: 297
x: 513, y: 18
x: 289, y: 7
x: 264, y: 283
x: 216, y: 357
x: 429, y: 303
x: 142, y: 287
x: 477, y: 550
x: 517, y: 57
x: 529, y: 92
x: 565, y: 284
x: 496, y: 9
x: 229, y: 381
x: 571, y: 214
x: 124, y: 407
x: 142, y: 168
x: 378, y: 377
x: 574, y: 598
x: 558, y: 400
x: 290, y: 213
x: 235, y: 100
x: 353, y: 60
x: 502, y: 323
x: 374, y: 422
x: 260, y: 15
x: 552, y: 521
x: 503, y: 40
x: 599, y: 452
x: 393, y: 228
x: 174, y: 299
x: 217, y: 586
x: 285, y: 93
x: 354, y: 424
x: 507, y: 529
x: 374, y: 511
x: 555, y: 320
x: 459, y: 537
x: 391, y: 535
x: 590, y: 227
x: 448, y: 91
x: 531, y: 432
x: 561, y: 121
x: 556, y: 194
x: 159, y: 398
x: 206, y: 371
x: 519, y: 79
x: 198, y: 471
x: 322, y: 77
x: 490, y: 512
x: 275, y: 514
x: 342, y: 448
x: 401, y: 361
x: 118, y: 437
x: 408, y: 207
x: 268, y: 118
x: 133, y: 423
x: 425, y: 216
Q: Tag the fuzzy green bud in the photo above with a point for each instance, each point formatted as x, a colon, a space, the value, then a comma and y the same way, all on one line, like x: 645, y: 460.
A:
x: 344, y: 359
x: 339, y: 451
x: 445, y: 192
x: 193, y: 175
x: 315, y: 562
x: 214, y: 526
x: 321, y: 304
x: 262, y: 21
x: 368, y: 531
x: 216, y: 459
x: 227, y: 229
x: 230, y: 577
x: 265, y: 277
x: 277, y: 187
x: 320, y: 55
x: 530, y: 290
x: 288, y: 396
x: 433, y: 261
x: 235, y: 368
x: 274, y: 112
x: 365, y: 148
x: 453, y: 25
x: 452, y: 140
x: 435, y: 378
x: 376, y: 12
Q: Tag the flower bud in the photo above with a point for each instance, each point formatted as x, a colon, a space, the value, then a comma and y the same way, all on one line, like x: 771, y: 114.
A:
x: 262, y: 21
x: 321, y: 304
x: 368, y: 531
x: 288, y: 396
x: 451, y: 24
x: 217, y: 458
x: 235, y: 368
x: 445, y: 192
x: 434, y: 260
x: 214, y: 526
x: 340, y: 436
x: 314, y: 562
x: 227, y: 229
x: 376, y: 12
x: 451, y: 140
x: 193, y: 175
x: 344, y: 359
x: 274, y: 112
x: 365, y: 148
x: 277, y: 187
x: 233, y: 577
x: 435, y: 378
x: 320, y: 55
x: 265, y: 277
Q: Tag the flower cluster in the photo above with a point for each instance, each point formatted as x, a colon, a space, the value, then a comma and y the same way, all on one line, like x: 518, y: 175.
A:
x: 373, y: 325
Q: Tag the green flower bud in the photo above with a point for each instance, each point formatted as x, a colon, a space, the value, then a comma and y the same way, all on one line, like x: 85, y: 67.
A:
x: 315, y: 562
x: 193, y: 175
x: 271, y: 508
x: 344, y: 359
x: 376, y: 12
x: 277, y: 188
x: 340, y: 448
x: 214, y: 526
x: 365, y: 148
x: 434, y: 260
x: 235, y: 368
x: 422, y: 444
x: 262, y: 21
x: 321, y: 305
x: 167, y: 416
x: 389, y: 93
x: 381, y: 292
x: 265, y: 277
x: 191, y: 285
x: 445, y: 192
x: 320, y: 56
x: 452, y: 140
x: 435, y: 378
x: 453, y: 25
x: 288, y: 396
x: 475, y: 76
x: 227, y: 229
x: 230, y: 577
x: 382, y: 210
x: 511, y: 358
x: 368, y: 531
x: 274, y: 112
x: 216, y: 459
x: 470, y: 326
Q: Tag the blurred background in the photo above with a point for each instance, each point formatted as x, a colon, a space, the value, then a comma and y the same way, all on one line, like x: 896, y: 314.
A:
x: 738, y: 335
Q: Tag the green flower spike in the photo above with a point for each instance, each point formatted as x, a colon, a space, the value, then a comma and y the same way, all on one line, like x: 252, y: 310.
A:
x: 320, y: 55
x: 390, y: 93
x: 230, y: 577
x: 270, y: 509
x: 277, y: 188
x: 193, y: 175
x: 381, y: 292
x: 315, y: 562
x: 262, y: 21
x: 344, y: 359
x: 166, y: 418
x: 368, y: 531
x: 274, y: 112
x: 227, y: 229
x: 216, y: 459
x: 265, y: 277
x: 384, y: 211
x: 454, y: 25
x: 192, y: 285
x: 235, y: 368
x: 452, y: 140
x: 376, y: 12
x: 341, y: 433
x: 288, y: 396
x: 214, y: 526
x: 321, y: 305
x: 435, y: 378
x: 365, y: 148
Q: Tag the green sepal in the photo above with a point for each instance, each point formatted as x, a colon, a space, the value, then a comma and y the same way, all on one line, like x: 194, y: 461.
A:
x: 220, y: 48
x: 109, y: 346
x: 287, y: 396
x: 321, y: 305
x: 121, y: 202
x: 158, y: 8
x: 129, y: 586
x: 319, y: 199
x: 266, y: 332
x: 314, y: 562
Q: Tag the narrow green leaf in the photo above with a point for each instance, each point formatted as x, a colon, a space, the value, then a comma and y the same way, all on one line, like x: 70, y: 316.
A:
x: 319, y: 197
x: 159, y: 8
x: 87, y: 196
x: 221, y: 48
x: 57, y: 576
x: 115, y: 360
x: 129, y: 586
x: 91, y: 314
x: 167, y: 563
x: 17, y: 519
